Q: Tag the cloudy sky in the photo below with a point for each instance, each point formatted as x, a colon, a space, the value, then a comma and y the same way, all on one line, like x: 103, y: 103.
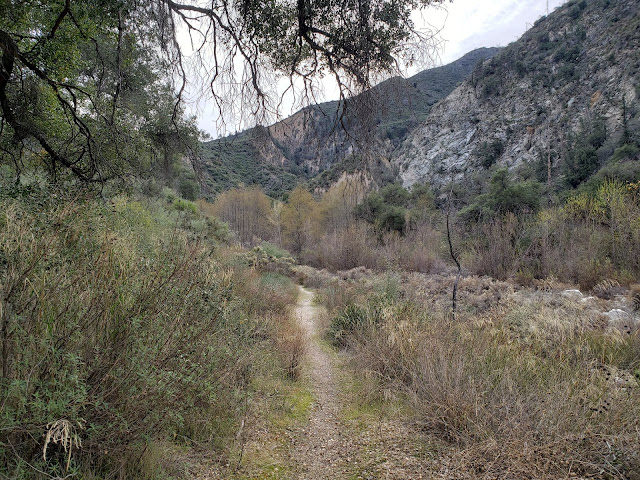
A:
x: 470, y: 24
x: 464, y: 26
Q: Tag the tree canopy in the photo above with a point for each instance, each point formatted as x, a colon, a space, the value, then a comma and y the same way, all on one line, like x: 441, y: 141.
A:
x: 95, y: 87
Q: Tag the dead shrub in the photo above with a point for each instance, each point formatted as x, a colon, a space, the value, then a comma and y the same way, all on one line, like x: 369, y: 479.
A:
x: 337, y: 295
x: 344, y: 249
x: 514, y: 392
x: 312, y: 277
x: 290, y: 342
x: 496, y: 253
x: 264, y: 292
x: 416, y: 251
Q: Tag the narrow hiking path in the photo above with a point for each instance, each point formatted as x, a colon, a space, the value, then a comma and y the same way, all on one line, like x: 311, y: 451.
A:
x: 335, y: 444
x: 318, y: 450
x: 328, y: 427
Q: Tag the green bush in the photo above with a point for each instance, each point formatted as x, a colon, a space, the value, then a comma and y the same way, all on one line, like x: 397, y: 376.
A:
x: 392, y: 219
x: 346, y: 323
x: 628, y: 151
x: 275, y: 251
x: 582, y: 160
x: 117, y: 328
x: 189, y: 188
x: 504, y: 196
x: 183, y: 205
x: 581, y: 164
x: 489, y: 152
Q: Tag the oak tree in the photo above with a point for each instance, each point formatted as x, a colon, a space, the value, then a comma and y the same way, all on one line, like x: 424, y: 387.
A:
x: 96, y: 88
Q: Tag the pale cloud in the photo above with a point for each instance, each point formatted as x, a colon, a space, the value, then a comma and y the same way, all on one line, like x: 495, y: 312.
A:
x: 471, y: 24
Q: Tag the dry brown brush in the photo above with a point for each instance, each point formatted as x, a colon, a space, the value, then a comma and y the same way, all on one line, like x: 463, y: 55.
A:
x: 521, y: 391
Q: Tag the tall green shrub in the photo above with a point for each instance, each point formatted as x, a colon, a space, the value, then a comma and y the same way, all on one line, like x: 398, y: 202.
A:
x: 118, y: 327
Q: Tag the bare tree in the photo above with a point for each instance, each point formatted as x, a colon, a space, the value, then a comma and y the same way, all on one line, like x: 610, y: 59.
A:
x: 454, y: 294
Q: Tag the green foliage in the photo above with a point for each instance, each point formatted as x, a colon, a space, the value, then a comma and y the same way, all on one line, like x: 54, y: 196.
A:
x: 189, y: 188
x: 394, y: 208
x: 582, y: 159
x: 274, y: 250
x: 348, y: 164
x: 346, y: 323
x: 576, y: 8
x: 567, y: 53
x: 621, y: 167
x: 392, y: 219
x: 183, y: 205
x: 119, y: 323
x: 489, y: 152
x: 359, y: 318
x: 593, y: 237
x: 269, y: 258
x: 83, y: 96
x: 233, y: 162
x: 581, y: 164
x: 395, y: 195
x: 492, y: 87
x: 386, y: 209
x: 566, y: 72
x: 504, y: 196
x: 625, y: 152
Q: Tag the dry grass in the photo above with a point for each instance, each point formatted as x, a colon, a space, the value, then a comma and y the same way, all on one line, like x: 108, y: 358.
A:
x: 360, y: 246
x: 312, y: 277
x: 528, y: 387
x: 271, y: 296
x: 291, y: 344
x: 65, y: 433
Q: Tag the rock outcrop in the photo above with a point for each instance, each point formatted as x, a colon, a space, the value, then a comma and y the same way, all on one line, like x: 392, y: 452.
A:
x: 572, y: 72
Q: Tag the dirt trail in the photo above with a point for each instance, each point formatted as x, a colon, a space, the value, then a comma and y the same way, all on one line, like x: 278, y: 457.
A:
x: 318, y: 451
x: 336, y: 443
x: 332, y: 447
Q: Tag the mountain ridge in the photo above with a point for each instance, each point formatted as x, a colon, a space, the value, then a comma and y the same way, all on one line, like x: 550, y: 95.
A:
x: 537, y: 102
x: 559, y: 106
x: 320, y: 136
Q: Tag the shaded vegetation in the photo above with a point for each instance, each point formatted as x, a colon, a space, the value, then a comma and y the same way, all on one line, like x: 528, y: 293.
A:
x: 124, y: 329
x: 233, y: 162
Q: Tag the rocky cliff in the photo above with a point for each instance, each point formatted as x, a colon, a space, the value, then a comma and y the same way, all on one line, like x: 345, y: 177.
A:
x: 571, y: 82
x: 322, y: 136
x: 555, y: 106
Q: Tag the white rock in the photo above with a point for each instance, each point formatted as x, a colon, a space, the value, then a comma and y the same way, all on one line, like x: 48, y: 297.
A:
x: 617, y: 315
x: 572, y: 293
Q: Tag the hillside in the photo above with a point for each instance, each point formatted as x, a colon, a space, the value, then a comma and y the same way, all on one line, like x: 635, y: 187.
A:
x: 315, y: 138
x: 554, y: 105
x: 235, y: 160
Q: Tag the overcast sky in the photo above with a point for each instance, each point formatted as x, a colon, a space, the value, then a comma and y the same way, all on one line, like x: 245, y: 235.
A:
x: 470, y: 24
x: 465, y: 25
